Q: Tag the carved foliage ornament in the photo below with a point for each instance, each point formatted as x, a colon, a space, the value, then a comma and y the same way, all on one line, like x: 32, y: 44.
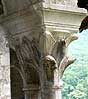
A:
x: 29, y: 53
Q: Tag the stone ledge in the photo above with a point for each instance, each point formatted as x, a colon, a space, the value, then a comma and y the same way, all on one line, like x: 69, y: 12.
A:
x: 64, y: 8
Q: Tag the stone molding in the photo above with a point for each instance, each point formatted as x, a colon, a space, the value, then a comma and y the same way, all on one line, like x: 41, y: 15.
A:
x: 67, y: 5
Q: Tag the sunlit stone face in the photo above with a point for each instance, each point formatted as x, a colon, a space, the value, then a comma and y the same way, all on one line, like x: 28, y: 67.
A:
x: 4, y: 67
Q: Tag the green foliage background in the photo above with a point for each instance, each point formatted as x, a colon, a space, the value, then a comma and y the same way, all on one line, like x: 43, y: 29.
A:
x: 75, y: 78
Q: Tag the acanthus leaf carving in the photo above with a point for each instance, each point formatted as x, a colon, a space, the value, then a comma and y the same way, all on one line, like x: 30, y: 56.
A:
x: 58, y: 51
x: 29, y: 54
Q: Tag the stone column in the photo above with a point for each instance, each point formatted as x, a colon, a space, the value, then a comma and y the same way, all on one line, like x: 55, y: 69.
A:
x: 55, y: 64
x: 53, y: 92
x: 52, y: 88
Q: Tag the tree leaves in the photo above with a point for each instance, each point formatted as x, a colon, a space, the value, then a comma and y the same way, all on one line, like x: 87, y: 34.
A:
x: 76, y: 76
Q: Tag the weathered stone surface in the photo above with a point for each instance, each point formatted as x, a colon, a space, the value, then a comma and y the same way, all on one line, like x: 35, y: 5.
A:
x: 26, y: 26
x: 4, y: 67
x: 5, y: 78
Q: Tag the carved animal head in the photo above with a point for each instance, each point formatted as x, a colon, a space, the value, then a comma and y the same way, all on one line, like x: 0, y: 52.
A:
x: 49, y: 64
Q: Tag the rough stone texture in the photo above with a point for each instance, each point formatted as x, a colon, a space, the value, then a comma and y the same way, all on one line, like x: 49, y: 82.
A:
x: 4, y: 67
